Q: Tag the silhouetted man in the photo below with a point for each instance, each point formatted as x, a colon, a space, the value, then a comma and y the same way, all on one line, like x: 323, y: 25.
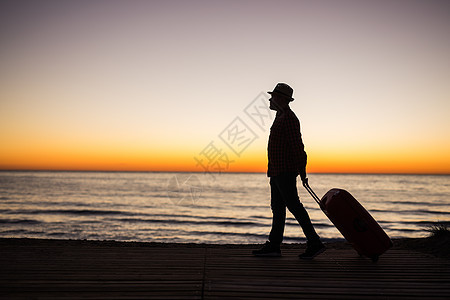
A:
x: 287, y: 160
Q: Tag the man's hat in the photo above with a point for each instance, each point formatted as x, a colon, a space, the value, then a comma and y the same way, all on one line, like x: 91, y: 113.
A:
x: 284, y: 90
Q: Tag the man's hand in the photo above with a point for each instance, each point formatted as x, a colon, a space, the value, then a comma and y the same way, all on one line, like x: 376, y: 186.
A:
x: 303, y: 177
x: 305, y: 181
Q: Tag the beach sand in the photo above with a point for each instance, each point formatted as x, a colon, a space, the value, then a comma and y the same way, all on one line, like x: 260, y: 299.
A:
x: 73, y: 269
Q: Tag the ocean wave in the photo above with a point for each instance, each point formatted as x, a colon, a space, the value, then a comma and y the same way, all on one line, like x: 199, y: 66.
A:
x: 20, y: 221
x: 137, y: 215
x: 212, y: 221
x: 411, y: 211
x: 22, y: 232
x: 418, y: 203
x: 228, y: 233
x: 88, y: 212
x: 80, y: 212
x: 189, y: 222
x: 421, y: 223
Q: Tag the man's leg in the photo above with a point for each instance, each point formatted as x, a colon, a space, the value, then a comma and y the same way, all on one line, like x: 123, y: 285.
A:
x: 288, y: 189
x: 272, y: 247
x: 287, y: 186
x: 278, y: 206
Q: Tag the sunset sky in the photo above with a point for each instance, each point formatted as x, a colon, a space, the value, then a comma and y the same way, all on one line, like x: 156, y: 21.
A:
x: 174, y: 85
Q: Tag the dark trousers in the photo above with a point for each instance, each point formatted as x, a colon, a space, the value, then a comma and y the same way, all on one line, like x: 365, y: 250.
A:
x: 284, y: 194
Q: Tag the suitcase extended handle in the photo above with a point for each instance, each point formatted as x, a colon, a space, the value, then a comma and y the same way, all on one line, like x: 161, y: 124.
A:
x: 311, y: 192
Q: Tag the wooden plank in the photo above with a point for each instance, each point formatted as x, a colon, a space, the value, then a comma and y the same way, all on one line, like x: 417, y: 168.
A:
x: 335, y: 274
x: 107, y: 270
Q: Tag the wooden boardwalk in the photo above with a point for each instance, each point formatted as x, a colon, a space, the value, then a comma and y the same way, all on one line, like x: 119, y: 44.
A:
x: 43, y: 269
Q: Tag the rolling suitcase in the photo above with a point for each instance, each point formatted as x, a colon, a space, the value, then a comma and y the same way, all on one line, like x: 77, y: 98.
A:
x: 354, y: 222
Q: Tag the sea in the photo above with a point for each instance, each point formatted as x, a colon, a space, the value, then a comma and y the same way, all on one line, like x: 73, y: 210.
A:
x: 212, y: 208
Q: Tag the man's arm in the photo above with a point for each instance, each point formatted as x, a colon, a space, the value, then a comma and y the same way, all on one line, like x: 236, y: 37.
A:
x: 297, y: 149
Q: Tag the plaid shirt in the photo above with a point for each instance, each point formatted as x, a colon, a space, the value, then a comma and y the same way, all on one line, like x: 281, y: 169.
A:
x: 285, y: 150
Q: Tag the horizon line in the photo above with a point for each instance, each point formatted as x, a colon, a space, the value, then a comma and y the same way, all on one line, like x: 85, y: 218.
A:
x: 200, y: 172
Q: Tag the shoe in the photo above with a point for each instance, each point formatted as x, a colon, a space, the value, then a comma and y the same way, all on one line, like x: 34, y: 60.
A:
x: 268, y: 250
x: 312, y: 250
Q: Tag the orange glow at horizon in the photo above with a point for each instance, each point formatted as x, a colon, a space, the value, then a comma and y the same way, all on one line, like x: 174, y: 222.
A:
x: 253, y: 162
